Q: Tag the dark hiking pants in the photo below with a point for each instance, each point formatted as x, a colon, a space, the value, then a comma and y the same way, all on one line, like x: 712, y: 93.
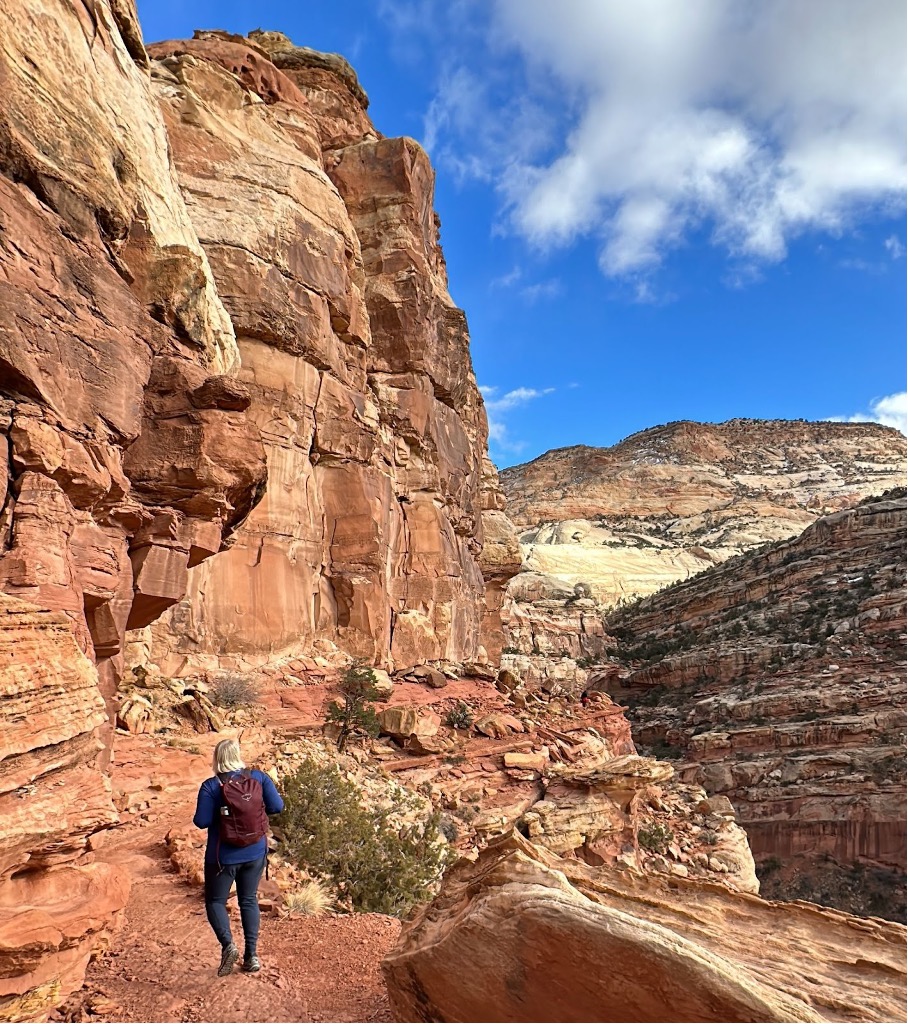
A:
x: 217, y: 889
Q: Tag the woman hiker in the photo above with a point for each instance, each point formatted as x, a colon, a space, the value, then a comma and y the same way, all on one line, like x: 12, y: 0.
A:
x: 234, y: 806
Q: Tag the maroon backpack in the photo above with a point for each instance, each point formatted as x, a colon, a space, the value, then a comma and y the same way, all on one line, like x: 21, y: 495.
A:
x: 242, y: 820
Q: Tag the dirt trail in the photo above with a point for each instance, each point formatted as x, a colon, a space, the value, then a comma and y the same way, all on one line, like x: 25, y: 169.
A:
x: 161, y: 965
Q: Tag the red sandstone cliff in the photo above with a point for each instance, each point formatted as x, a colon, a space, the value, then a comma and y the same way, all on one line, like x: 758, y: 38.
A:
x: 224, y: 326
x: 324, y: 247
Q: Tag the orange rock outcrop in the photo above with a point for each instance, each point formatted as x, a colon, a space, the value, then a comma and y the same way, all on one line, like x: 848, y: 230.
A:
x: 324, y: 247
x: 522, y: 935
x: 56, y: 905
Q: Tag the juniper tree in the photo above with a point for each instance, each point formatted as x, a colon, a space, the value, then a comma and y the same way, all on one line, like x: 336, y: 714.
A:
x: 356, y: 712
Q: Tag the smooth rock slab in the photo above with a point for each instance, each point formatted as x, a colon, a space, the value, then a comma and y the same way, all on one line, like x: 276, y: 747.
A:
x: 521, y: 935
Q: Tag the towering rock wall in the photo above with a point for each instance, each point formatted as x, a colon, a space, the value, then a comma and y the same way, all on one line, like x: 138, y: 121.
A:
x: 129, y: 457
x: 779, y: 679
x: 223, y: 321
x: 324, y: 245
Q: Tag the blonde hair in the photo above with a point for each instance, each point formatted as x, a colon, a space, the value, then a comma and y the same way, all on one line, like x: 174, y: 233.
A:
x: 227, y: 757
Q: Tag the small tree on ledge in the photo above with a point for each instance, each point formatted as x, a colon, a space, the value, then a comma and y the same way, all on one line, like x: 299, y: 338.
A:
x: 358, y: 688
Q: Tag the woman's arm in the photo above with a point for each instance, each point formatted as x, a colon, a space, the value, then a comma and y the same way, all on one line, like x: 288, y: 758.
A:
x: 273, y: 802
x: 205, y: 808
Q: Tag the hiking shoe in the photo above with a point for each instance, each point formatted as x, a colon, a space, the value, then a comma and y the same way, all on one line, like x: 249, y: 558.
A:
x: 229, y: 957
x: 252, y: 964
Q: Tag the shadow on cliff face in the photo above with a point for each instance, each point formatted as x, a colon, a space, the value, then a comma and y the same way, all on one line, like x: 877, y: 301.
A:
x: 865, y: 891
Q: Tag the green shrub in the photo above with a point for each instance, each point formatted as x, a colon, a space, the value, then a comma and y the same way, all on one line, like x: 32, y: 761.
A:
x: 358, y: 688
x: 655, y: 837
x: 768, y: 866
x: 377, y: 864
x: 460, y: 716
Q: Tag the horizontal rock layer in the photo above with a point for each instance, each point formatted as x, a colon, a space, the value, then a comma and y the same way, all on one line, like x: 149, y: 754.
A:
x: 54, y: 906
x: 779, y: 678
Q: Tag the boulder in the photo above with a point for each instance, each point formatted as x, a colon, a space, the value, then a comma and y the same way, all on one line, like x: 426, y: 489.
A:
x: 522, y: 935
x: 535, y: 761
x: 383, y: 685
x: 498, y: 724
x: 402, y: 723
x: 136, y: 714
x: 430, y: 676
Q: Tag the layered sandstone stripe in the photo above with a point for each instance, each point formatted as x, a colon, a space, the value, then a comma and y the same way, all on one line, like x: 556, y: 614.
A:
x: 324, y: 245
x: 521, y: 935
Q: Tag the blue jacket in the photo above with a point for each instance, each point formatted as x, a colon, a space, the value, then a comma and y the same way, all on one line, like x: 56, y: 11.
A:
x: 207, y: 812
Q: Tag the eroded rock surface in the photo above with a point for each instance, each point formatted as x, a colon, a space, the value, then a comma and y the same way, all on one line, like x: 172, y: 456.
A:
x: 324, y: 246
x: 778, y: 679
x: 522, y: 935
x: 55, y: 905
x: 667, y: 502
x: 224, y: 323
x: 131, y: 457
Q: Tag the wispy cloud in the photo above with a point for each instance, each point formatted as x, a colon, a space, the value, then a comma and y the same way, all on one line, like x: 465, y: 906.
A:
x: 542, y: 290
x: 531, y: 292
x: 891, y: 411
x: 507, y: 280
x: 497, y: 406
x: 894, y: 247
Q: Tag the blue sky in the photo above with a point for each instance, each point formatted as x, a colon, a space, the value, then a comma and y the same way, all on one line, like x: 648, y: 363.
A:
x: 650, y: 211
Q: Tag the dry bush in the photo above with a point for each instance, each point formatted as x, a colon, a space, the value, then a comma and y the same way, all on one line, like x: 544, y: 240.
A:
x: 377, y: 864
x: 233, y: 691
x: 311, y: 899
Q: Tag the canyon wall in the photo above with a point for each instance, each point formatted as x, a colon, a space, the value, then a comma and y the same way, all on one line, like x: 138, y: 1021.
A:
x: 224, y: 327
x: 56, y: 904
x: 129, y: 456
x: 778, y: 680
x: 668, y: 502
x: 323, y: 243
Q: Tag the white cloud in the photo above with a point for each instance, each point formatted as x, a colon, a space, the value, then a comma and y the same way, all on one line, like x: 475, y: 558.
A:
x: 476, y: 125
x: 891, y: 411
x: 753, y: 121
x: 532, y: 293
x: 496, y: 408
x: 894, y: 247
x: 508, y: 279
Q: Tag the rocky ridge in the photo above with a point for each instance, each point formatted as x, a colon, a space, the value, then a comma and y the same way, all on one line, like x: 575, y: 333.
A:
x: 667, y: 502
x: 777, y: 679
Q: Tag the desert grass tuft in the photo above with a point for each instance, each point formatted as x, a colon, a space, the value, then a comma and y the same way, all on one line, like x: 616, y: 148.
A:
x: 311, y: 899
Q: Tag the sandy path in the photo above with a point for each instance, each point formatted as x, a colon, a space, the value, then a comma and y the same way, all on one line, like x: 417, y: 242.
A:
x: 161, y: 965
